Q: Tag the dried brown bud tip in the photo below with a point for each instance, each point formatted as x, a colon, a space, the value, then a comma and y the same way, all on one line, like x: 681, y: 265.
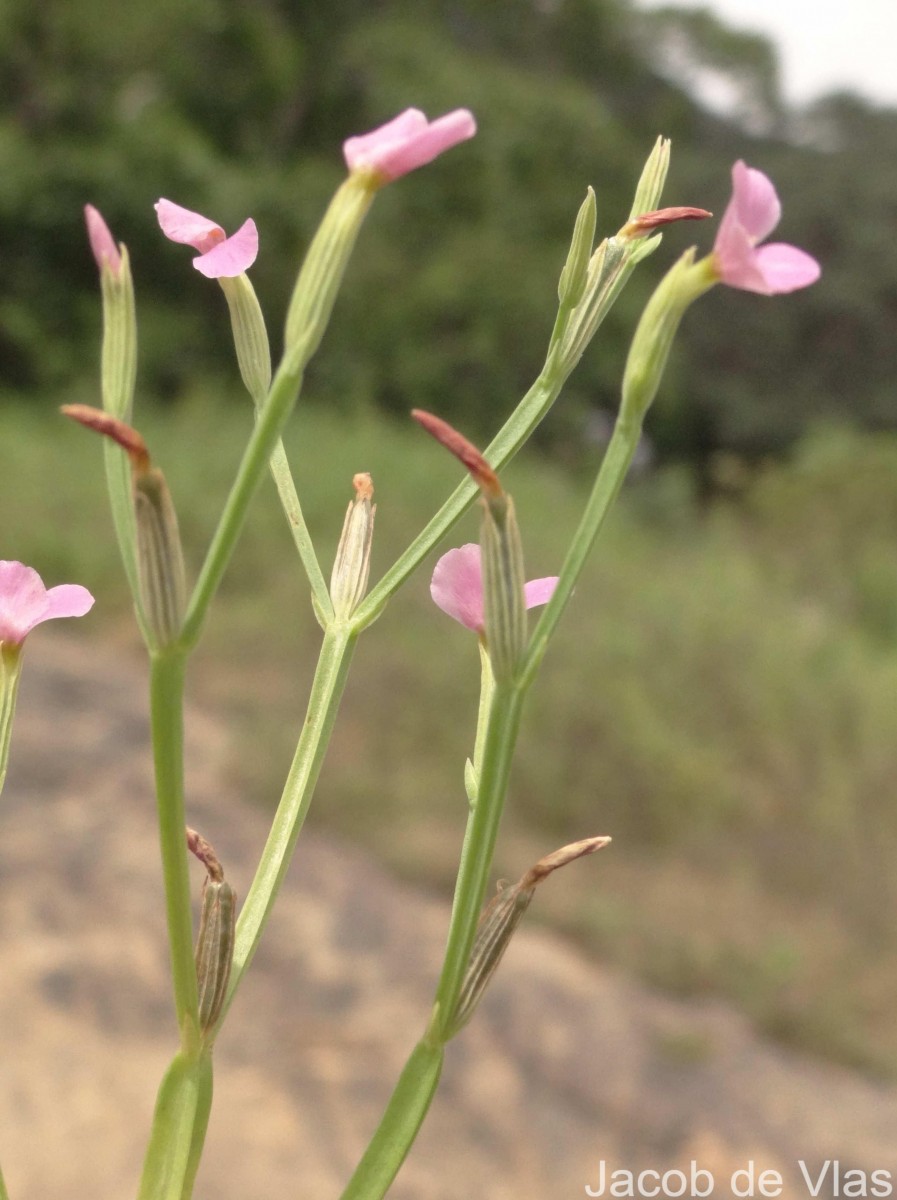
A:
x: 465, y: 451
x: 649, y: 221
x: 559, y: 858
x: 101, y: 422
x: 198, y: 846
x: 364, y: 486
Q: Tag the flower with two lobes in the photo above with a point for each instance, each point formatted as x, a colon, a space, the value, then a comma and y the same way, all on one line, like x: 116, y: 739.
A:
x: 752, y: 214
x: 457, y: 587
x: 407, y: 142
x: 25, y: 602
x: 220, y: 256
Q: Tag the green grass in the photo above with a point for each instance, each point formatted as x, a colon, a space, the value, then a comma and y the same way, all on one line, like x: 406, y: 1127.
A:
x: 720, y: 698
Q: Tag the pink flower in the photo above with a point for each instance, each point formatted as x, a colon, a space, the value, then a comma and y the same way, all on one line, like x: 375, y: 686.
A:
x: 407, y: 141
x: 219, y: 255
x: 25, y: 602
x: 101, y: 240
x: 753, y: 214
x: 457, y: 587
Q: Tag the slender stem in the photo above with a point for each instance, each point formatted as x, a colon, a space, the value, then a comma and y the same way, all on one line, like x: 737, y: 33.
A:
x: 414, y: 1091
x: 4, y: 1194
x: 289, y: 501
x: 610, y: 479
x: 479, y: 847
x: 399, y: 1124
x: 266, y: 431
x: 166, y: 711
x: 326, y: 692
x: 487, y: 686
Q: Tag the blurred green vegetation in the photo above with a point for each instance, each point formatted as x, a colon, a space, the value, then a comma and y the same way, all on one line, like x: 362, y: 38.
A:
x: 234, y: 107
x: 720, y: 698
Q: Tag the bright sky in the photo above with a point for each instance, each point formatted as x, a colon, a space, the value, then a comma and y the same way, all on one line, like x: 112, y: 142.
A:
x: 823, y: 44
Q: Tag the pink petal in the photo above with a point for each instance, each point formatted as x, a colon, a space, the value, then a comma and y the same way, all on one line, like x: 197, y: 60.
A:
x: 68, y: 600
x: 752, y: 213
x: 101, y: 240
x: 457, y: 586
x: 754, y: 201
x: 233, y: 256
x: 539, y: 591
x: 736, y: 256
x: 785, y: 268
x: 25, y: 602
x: 361, y: 150
x: 408, y: 142
x: 192, y: 229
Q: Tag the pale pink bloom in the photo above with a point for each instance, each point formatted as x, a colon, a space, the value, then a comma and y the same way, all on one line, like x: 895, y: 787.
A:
x: 25, y: 602
x: 753, y: 214
x: 457, y: 587
x: 220, y: 256
x: 407, y: 141
x: 102, y: 243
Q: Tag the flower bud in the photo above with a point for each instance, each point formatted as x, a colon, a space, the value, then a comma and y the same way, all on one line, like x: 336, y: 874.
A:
x: 573, y: 276
x: 119, y: 353
x: 250, y: 335
x: 352, y: 565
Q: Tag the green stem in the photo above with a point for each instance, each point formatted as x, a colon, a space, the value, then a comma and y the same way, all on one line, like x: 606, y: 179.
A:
x: 411, y: 1098
x: 479, y: 847
x: 399, y: 1124
x: 289, y: 501
x: 262, y: 441
x: 166, y: 711
x: 487, y: 686
x: 179, y: 1124
x: 4, y: 1194
x: 614, y: 467
x: 326, y: 692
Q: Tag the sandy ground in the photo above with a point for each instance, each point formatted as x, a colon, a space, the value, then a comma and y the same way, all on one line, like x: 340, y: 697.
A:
x: 565, y: 1066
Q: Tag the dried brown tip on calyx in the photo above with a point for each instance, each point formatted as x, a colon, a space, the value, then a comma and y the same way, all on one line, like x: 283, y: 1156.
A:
x: 364, y: 485
x: 649, y: 221
x: 466, y: 452
x: 201, y: 849
x: 559, y: 858
x: 101, y: 422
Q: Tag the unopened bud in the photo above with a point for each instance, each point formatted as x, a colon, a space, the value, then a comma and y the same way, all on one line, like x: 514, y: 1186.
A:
x: 215, y: 939
x: 352, y: 565
x: 498, y: 921
x: 119, y: 357
x: 573, y: 277
x: 250, y: 335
